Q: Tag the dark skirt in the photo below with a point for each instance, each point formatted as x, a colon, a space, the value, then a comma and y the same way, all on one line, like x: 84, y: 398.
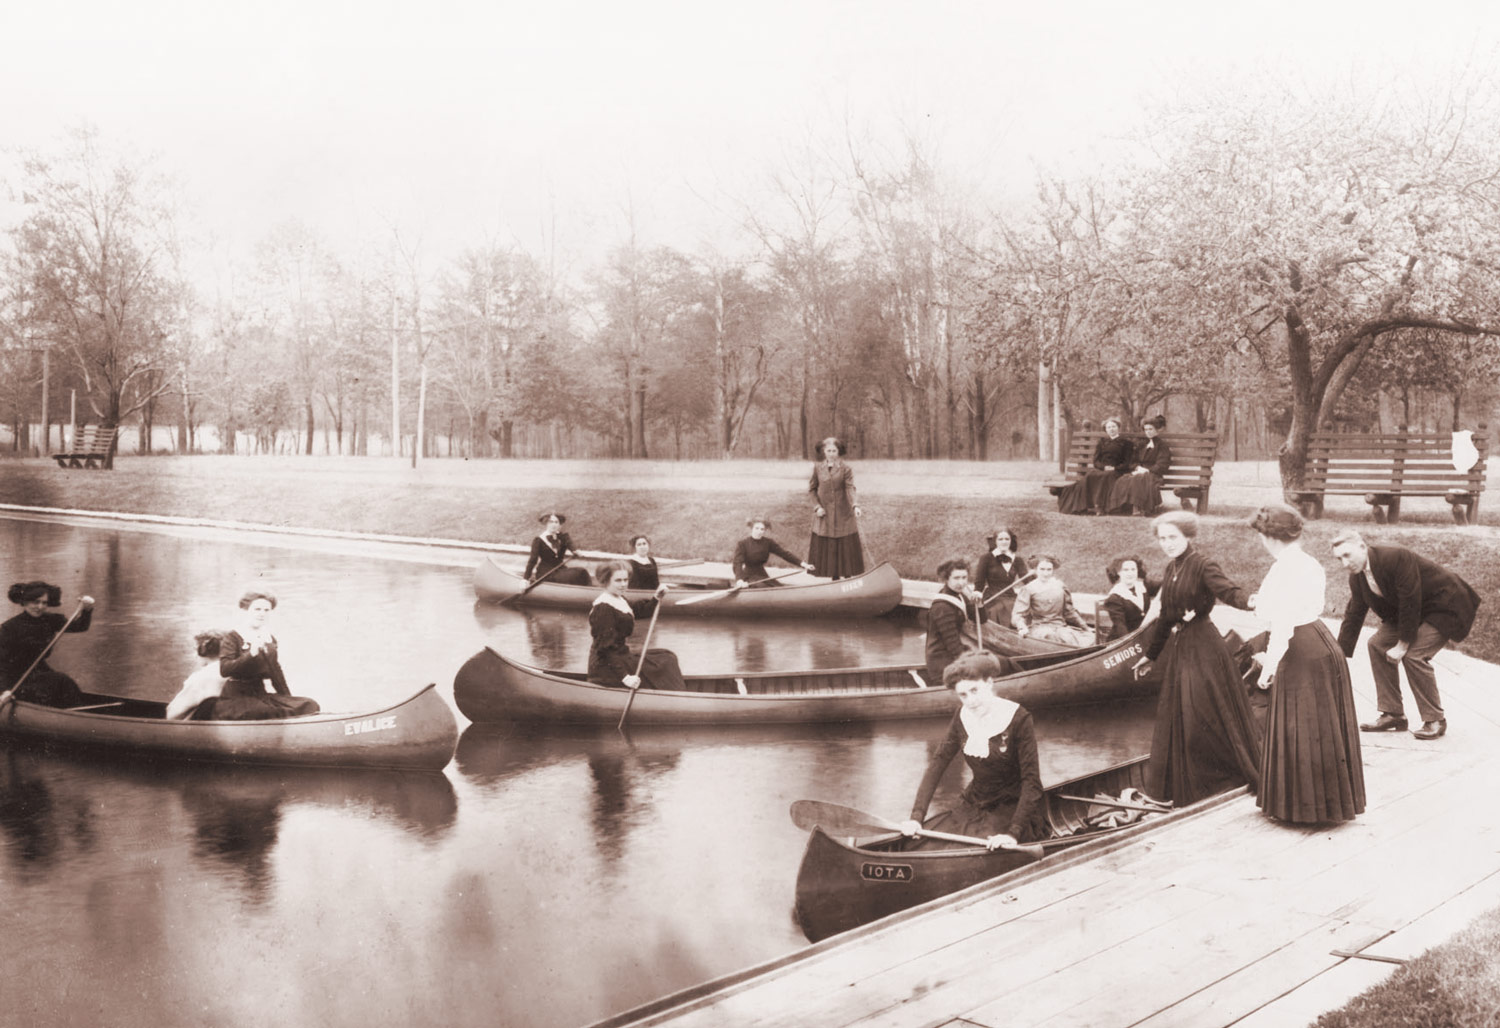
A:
x: 570, y: 576
x: 50, y: 689
x: 1311, y: 769
x: 659, y: 671
x: 1089, y: 494
x: 1205, y: 741
x: 836, y: 556
x: 245, y: 700
x: 970, y: 819
x: 1138, y: 491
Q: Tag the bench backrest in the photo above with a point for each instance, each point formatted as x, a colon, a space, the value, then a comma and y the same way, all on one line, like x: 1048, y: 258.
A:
x: 94, y: 440
x: 1193, y: 455
x: 1402, y: 461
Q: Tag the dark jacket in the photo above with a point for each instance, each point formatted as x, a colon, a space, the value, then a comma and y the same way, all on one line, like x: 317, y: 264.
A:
x: 1156, y: 456
x: 547, y: 555
x: 24, y: 638
x: 991, y: 575
x: 1191, y: 582
x: 750, y: 557
x: 1416, y: 591
x: 1119, y: 452
x: 947, y: 619
x: 610, y: 659
x: 644, y: 576
x: 246, y: 671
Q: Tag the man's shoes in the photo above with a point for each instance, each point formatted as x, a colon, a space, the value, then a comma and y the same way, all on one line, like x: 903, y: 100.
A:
x: 1389, y: 723
x: 1432, y: 729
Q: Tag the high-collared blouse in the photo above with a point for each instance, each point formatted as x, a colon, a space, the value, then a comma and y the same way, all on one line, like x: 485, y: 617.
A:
x: 1292, y: 594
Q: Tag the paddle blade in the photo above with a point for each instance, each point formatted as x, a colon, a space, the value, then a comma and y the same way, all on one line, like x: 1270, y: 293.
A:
x: 835, y: 818
x: 689, y: 601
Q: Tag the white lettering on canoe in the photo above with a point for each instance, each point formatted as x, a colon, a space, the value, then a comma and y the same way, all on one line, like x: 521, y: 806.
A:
x: 1117, y: 659
x: 851, y: 585
x: 871, y: 872
x: 372, y: 724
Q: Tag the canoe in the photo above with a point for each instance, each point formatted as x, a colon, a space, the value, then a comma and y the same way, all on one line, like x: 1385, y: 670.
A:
x: 492, y: 687
x: 841, y: 885
x: 872, y: 593
x: 417, y: 734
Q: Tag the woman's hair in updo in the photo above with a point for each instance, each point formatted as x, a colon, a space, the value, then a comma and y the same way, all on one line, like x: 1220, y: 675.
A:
x: 1185, y: 521
x: 1278, y: 521
x: 1037, y: 558
x: 1113, y: 571
x: 972, y: 667
x: 25, y: 592
x: 952, y: 564
x: 836, y: 441
x: 257, y: 594
x: 207, y: 643
x: 637, y: 538
x: 604, y: 572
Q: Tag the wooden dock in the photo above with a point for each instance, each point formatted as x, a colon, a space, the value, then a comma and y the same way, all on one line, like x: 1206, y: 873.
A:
x: 1225, y: 918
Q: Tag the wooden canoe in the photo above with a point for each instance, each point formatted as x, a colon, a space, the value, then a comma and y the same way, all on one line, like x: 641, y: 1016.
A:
x: 841, y: 884
x: 417, y: 734
x: 872, y: 593
x: 492, y: 687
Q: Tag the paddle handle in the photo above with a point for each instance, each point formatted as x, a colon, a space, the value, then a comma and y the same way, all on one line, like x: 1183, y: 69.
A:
x: 1121, y: 804
x: 1008, y: 588
x: 83, y: 604
x: 974, y: 840
x: 639, y: 664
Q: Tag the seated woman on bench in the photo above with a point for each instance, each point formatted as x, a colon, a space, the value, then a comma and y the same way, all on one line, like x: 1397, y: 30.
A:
x: 26, y: 638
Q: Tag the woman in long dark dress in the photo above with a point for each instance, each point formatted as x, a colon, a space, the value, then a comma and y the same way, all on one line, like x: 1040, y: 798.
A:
x: 643, y: 571
x: 25, y: 637
x: 1114, y: 455
x: 611, y: 622
x: 549, y: 549
x: 951, y: 622
x: 249, y: 658
x: 834, y: 551
x: 1205, y: 740
x: 1129, y: 596
x: 752, y: 552
x: 998, y: 569
x: 1139, y: 491
x: 1311, y: 768
x: 1003, y: 802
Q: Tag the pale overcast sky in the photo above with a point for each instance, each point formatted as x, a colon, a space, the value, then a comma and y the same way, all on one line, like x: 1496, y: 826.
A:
x: 458, y: 119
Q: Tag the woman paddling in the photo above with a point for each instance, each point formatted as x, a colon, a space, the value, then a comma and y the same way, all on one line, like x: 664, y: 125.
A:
x: 951, y: 621
x: 1003, y: 802
x: 752, y: 552
x: 551, y: 547
x: 611, y: 622
x: 25, y: 637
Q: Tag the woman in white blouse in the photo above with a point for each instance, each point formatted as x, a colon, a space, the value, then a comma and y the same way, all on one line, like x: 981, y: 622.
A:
x: 1311, y: 770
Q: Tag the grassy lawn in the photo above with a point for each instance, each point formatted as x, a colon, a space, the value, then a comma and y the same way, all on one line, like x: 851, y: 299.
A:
x: 916, y: 515
x: 1455, y: 985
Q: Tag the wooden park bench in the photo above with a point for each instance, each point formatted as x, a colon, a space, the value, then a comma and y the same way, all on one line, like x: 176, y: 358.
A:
x: 1189, y: 476
x: 90, y: 448
x: 1384, y: 468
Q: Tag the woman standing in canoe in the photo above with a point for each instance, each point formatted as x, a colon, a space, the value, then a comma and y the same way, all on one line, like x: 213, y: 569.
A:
x: 1205, y: 740
x: 249, y: 658
x: 549, y: 550
x: 834, y: 551
x: 1003, y: 802
x: 755, y: 549
x: 1311, y: 770
x: 611, y: 621
x: 643, y: 571
x: 26, y: 637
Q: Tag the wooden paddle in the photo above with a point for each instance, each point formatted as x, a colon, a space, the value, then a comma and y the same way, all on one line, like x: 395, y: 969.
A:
x: 736, y: 588
x: 83, y: 604
x: 807, y: 814
x: 538, y: 580
x: 640, y: 664
x: 679, y: 563
x: 1002, y: 592
x: 1100, y: 801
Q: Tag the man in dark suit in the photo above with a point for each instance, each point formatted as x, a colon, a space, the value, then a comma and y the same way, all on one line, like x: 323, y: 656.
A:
x: 1421, y: 607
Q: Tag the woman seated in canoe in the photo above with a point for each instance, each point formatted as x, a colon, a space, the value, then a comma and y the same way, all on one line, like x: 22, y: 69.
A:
x: 997, y: 571
x: 755, y: 549
x: 643, y: 572
x: 550, y: 550
x: 1003, y: 803
x: 1129, y: 596
x: 248, y: 658
x: 202, y: 685
x: 1044, y: 608
x: 611, y: 621
x: 951, y: 621
x: 25, y: 638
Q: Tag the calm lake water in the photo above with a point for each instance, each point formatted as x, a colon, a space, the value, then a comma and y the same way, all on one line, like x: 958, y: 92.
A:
x: 545, y: 878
